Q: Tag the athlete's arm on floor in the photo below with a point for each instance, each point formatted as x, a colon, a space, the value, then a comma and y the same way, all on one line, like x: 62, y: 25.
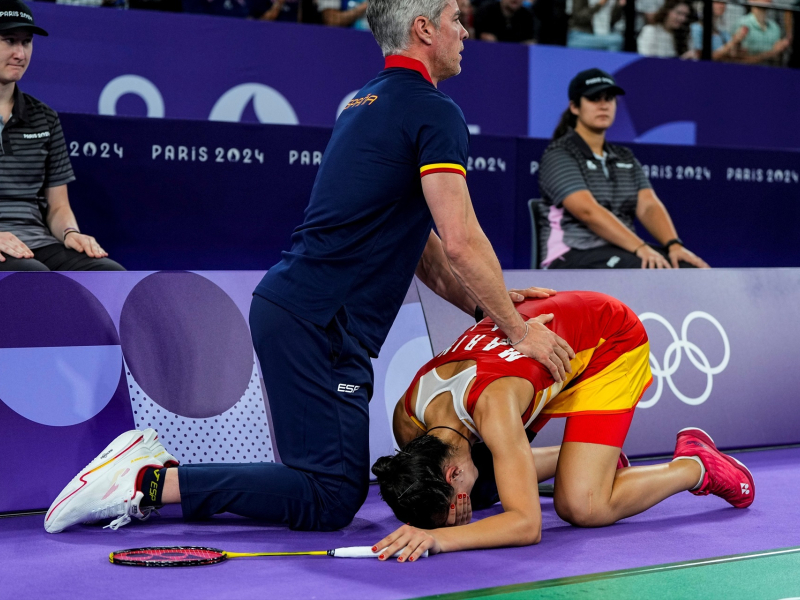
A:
x: 520, y: 523
x: 468, y: 254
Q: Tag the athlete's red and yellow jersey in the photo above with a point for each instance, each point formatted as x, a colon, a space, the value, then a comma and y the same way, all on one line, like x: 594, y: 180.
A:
x: 610, y: 371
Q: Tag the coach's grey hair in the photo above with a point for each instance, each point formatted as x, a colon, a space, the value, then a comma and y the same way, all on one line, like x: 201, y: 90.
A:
x: 391, y: 20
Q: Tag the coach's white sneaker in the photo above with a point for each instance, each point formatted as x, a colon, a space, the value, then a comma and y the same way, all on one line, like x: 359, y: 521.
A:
x: 160, y: 453
x: 106, y: 488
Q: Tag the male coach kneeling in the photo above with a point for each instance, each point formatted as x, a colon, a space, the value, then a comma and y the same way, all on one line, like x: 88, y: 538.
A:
x: 395, y: 165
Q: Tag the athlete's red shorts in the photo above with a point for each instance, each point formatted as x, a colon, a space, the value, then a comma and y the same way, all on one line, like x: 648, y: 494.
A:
x: 606, y: 429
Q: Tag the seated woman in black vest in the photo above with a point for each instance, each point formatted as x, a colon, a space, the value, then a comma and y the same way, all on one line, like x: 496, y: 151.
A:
x: 593, y: 190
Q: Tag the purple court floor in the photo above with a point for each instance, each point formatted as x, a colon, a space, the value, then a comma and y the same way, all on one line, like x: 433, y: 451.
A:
x: 74, y: 564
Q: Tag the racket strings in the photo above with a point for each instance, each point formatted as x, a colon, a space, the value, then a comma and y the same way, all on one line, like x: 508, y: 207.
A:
x: 168, y: 556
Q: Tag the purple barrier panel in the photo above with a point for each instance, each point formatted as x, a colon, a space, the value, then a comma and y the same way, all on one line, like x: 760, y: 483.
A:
x: 721, y: 350
x: 63, y: 393
x: 169, y: 194
x: 709, y: 110
x: 86, y: 356
x: 237, y: 70
x: 492, y: 183
x: 732, y: 207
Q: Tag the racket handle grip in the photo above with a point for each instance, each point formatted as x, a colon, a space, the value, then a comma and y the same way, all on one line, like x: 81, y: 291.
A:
x: 362, y: 552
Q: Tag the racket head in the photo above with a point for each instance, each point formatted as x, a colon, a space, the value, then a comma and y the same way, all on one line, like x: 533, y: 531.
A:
x: 168, y: 556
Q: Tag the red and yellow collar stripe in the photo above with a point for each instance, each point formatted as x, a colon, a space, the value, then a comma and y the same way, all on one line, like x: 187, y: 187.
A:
x: 443, y: 168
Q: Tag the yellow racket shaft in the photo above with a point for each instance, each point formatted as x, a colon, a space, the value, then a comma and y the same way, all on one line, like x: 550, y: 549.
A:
x: 245, y: 554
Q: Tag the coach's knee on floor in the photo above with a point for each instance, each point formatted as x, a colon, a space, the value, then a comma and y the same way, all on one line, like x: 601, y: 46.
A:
x: 342, y: 506
x: 337, y: 517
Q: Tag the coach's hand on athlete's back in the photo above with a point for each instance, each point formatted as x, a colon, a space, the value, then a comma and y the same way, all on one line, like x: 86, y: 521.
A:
x: 530, y: 292
x: 546, y: 347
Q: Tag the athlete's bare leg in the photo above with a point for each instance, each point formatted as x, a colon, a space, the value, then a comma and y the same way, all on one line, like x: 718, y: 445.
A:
x: 546, y: 460
x: 591, y: 492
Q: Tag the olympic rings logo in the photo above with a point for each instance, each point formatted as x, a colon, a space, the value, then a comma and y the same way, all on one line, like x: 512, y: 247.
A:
x: 674, y: 354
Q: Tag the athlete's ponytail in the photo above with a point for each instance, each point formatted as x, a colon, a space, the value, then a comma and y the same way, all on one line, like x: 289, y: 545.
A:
x: 412, y: 482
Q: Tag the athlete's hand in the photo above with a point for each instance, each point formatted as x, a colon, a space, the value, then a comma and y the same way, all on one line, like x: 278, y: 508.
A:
x: 460, y: 511
x: 652, y: 259
x: 546, y: 347
x: 678, y: 253
x: 86, y: 244
x: 531, y: 292
x: 412, y: 541
x: 13, y: 246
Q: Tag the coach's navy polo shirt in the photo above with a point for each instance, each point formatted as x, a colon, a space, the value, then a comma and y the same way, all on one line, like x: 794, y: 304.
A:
x: 367, y: 222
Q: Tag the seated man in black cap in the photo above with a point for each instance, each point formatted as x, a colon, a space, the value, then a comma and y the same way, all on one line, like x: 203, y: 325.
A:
x: 38, y: 230
x: 592, y: 191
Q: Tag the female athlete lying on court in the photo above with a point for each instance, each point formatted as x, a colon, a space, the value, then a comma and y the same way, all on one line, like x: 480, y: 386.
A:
x: 481, y: 389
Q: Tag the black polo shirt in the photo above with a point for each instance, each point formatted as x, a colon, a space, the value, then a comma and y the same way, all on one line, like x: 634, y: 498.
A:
x: 569, y: 166
x: 33, y: 157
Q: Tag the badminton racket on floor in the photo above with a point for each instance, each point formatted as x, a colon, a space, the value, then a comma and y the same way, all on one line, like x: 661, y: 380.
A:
x: 192, y: 556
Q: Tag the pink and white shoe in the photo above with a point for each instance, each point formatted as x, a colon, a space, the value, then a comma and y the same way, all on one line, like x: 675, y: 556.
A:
x: 107, y: 486
x: 724, y: 476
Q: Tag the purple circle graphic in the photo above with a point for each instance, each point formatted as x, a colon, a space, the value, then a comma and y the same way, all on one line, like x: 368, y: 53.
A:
x: 186, y: 344
x: 60, y: 360
x: 50, y: 310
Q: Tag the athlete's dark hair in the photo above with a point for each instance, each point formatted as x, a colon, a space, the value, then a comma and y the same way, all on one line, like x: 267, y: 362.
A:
x: 567, y: 122
x: 412, y: 482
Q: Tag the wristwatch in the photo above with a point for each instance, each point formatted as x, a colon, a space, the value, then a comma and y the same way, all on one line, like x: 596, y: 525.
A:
x: 673, y: 241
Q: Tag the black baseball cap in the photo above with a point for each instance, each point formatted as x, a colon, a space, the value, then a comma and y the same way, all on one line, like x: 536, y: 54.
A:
x: 589, y: 83
x: 15, y: 14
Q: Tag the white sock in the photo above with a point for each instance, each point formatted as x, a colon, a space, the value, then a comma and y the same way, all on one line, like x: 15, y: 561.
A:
x: 702, y: 469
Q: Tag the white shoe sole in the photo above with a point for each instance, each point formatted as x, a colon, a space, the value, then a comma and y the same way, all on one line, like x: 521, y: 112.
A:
x: 121, y: 446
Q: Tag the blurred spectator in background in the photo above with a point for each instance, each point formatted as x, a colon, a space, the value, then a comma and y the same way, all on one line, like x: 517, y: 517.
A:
x: 593, y: 190
x: 668, y: 36
x: 267, y: 10
x: 505, y: 21
x: 38, y: 230
x: 721, y: 44
x: 344, y: 13
x: 762, y: 42
x: 287, y: 11
x: 162, y: 5
x: 592, y: 23
x: 553, y: 21
x: 646, y: 12
x: 466, y: 17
